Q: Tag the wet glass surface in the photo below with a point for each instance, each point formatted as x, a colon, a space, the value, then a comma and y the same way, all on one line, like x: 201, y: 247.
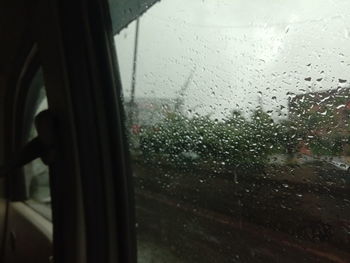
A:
x: 238, y: 127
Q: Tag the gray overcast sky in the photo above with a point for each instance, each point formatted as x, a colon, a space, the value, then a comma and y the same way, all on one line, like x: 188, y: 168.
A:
x: 239, y: 50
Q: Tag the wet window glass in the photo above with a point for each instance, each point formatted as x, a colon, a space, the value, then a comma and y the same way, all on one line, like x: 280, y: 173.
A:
x: 36, y: 172
x: 237, y: 115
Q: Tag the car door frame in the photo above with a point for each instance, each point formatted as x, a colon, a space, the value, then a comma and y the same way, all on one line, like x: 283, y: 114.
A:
x: 92, y: 193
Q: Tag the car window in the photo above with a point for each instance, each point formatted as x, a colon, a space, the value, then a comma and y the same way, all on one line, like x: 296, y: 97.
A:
x: 237, y: 115
x: 36, y: 172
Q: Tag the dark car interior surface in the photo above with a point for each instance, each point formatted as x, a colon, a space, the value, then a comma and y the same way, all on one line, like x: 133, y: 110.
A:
x: 174, y: 131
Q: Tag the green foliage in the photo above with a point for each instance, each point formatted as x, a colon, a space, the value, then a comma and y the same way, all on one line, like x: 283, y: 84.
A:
x: 236, y: 142
x: 326, y: 145
x: 239, y: 142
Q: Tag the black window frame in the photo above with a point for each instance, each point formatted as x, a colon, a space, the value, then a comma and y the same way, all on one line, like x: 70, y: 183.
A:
x: 22, y: 102
x: 91, y: 176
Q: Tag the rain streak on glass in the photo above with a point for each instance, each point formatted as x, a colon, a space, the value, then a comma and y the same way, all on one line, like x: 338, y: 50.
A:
x: 238, y: 128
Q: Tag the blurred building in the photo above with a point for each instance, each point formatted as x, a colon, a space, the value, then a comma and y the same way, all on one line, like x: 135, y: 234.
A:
x: 331, y: 105
x: 323, y: 115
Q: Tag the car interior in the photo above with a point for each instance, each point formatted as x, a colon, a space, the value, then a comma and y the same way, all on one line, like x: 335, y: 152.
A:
x: 174, y: 131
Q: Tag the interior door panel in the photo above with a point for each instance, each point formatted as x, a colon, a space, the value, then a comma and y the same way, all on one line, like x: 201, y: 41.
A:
x: 29, y: 235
